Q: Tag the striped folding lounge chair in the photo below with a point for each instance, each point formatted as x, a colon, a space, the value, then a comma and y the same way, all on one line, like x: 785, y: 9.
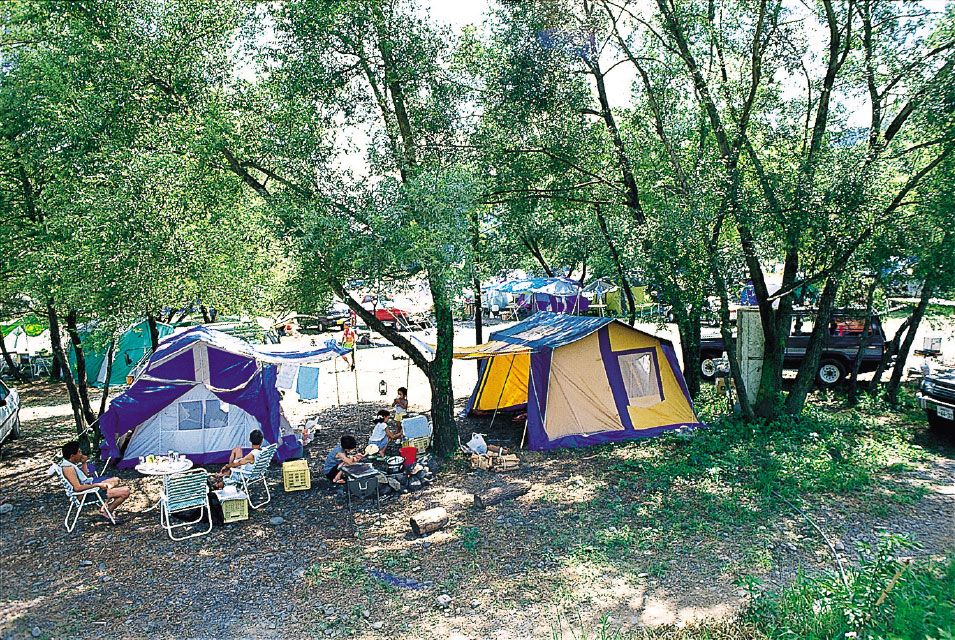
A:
x: 256, y: 474
x: 182, y: 492
x: 77, y: 498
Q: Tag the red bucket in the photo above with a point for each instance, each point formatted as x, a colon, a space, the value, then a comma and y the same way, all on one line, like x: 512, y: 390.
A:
x: 410, y: 454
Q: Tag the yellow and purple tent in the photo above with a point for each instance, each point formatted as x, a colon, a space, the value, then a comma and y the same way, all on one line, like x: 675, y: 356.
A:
x: 583, y: 380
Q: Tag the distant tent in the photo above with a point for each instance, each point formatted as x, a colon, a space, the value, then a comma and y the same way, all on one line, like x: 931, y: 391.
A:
x: 201, y: 394
x: 29, y: 335
x: 583, y: 380
x: 559, y: 295
x: 131, y: 347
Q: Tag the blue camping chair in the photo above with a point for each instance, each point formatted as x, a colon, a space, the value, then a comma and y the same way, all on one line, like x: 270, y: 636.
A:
x: 256, y: 474
x: 182, y: 492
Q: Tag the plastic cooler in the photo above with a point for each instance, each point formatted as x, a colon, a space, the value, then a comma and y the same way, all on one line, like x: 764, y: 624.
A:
x: 296, y: 475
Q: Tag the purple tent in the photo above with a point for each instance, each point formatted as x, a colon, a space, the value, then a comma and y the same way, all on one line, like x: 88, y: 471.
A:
x: 201, y: 394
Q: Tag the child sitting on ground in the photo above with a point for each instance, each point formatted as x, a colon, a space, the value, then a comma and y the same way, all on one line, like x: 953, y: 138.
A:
x: 381, y: 434
x: 341, y: 456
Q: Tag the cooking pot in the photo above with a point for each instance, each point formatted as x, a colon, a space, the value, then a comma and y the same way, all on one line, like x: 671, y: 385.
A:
x: 395, y: 464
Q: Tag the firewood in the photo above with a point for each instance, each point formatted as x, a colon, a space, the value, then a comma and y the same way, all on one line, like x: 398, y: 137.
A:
x: 424, y: 522
x: 500, y: 494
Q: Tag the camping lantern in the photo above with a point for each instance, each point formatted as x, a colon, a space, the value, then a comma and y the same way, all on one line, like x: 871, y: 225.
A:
x: 383, y: 388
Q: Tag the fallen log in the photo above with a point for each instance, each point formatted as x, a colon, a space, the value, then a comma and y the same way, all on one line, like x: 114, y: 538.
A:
x: 500, y: 494
x: 424, y: 522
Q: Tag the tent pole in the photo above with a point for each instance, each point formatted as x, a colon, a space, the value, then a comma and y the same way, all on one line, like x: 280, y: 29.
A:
x: 503, y: 386
x: 338, y: 395
x: 357, y: 401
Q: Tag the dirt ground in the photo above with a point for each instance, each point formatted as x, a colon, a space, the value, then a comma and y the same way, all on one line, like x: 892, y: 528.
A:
x: 515, y: 570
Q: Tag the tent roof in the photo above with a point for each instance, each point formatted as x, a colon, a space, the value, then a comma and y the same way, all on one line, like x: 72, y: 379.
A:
x: 543, y: 330
x: 175, y: 344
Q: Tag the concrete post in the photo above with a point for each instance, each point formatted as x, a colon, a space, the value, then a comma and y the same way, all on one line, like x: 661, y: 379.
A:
x: 750, y: 348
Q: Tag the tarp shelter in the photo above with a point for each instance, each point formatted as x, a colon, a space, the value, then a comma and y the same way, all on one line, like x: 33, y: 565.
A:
x: 583, y: 380
x: 131, y: 347
x: 201, y: 394
x: 28, y: 335
x: 559, y: 295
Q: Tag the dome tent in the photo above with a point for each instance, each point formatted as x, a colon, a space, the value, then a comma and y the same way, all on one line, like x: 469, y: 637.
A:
x: 583, y: 381
x: 201, y: 394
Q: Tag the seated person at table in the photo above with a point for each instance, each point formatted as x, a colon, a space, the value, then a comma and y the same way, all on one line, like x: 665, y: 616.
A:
x: 382, y: 434
x: 341, y: 456
x: 73, y: 463
x: 242, y: 463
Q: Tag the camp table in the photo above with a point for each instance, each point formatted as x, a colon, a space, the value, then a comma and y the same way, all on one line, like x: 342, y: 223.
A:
x: 163, y: 466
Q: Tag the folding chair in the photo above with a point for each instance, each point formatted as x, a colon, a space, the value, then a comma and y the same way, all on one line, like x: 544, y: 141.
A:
x: 256, y: 474
x: 182, y: 492
x: 77, y: 498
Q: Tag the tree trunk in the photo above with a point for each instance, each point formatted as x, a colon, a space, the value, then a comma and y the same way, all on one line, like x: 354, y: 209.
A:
x: 621, y: 275
x: 852, y: 393
x: 890, y: 350
x: 425, y: 522
x: 809, y: 368
x: 109, y: 374
x: 892, y: 388
x: 59, y: 356
x: 729, y: 342
x: 500, y: 494
x: 478, y: 316
x: 14, y: 369
x: 153, y: 331
x: 442, y: 394
x: 689, y: 327
x: 82, y: 385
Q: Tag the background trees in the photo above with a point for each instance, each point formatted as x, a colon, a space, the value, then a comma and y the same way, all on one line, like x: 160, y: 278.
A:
x: 252, y: 157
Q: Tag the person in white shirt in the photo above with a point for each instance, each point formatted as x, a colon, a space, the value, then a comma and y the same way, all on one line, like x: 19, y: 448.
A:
x: 381, y: 433
x: 73, y: 462
x: 240, y: 462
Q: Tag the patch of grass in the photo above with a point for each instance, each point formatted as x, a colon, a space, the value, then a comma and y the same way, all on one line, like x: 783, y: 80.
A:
x: 882, y: 599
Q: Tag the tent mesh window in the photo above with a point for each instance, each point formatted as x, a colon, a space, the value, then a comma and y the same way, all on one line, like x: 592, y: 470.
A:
x: 190, y: 415
x: 639, y: 371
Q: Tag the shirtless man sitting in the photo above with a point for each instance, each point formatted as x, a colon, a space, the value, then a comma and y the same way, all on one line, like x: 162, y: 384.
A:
x: 72, y: 465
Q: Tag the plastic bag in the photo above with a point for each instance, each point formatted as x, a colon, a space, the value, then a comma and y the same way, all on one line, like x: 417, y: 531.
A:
x: 477, y: 444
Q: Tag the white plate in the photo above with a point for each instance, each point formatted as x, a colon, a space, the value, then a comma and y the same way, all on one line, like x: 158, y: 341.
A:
x: 945, y: 412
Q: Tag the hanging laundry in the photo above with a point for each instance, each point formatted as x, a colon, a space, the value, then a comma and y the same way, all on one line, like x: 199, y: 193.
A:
x: 286, y: 376
x: 307, y: 387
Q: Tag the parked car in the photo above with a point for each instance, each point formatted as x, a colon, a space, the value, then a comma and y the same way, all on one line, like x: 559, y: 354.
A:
x: 937, y: 397
x: 385, y: 311
x: 9, y: 413
x: 840, y: 347
x: 335, y: 316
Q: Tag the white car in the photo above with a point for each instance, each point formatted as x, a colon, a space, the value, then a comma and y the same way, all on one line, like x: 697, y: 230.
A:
x: 9, y: 413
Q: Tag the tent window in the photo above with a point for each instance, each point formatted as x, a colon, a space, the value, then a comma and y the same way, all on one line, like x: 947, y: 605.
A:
x: 639, y: 371
x: 215, y: 416
x: 190, y: 415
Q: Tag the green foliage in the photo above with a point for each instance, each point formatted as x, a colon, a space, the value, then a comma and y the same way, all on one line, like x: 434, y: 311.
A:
x: 920, y: 604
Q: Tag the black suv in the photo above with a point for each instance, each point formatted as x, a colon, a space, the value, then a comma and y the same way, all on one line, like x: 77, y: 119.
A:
x: 842, y: 342
x: 937, y: 397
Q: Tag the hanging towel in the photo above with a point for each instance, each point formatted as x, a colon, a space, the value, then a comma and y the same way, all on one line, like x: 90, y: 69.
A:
x: 286, y: 376
x: 307, y: 387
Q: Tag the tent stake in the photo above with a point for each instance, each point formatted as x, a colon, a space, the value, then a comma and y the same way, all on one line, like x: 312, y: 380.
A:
x: 503, y: 386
